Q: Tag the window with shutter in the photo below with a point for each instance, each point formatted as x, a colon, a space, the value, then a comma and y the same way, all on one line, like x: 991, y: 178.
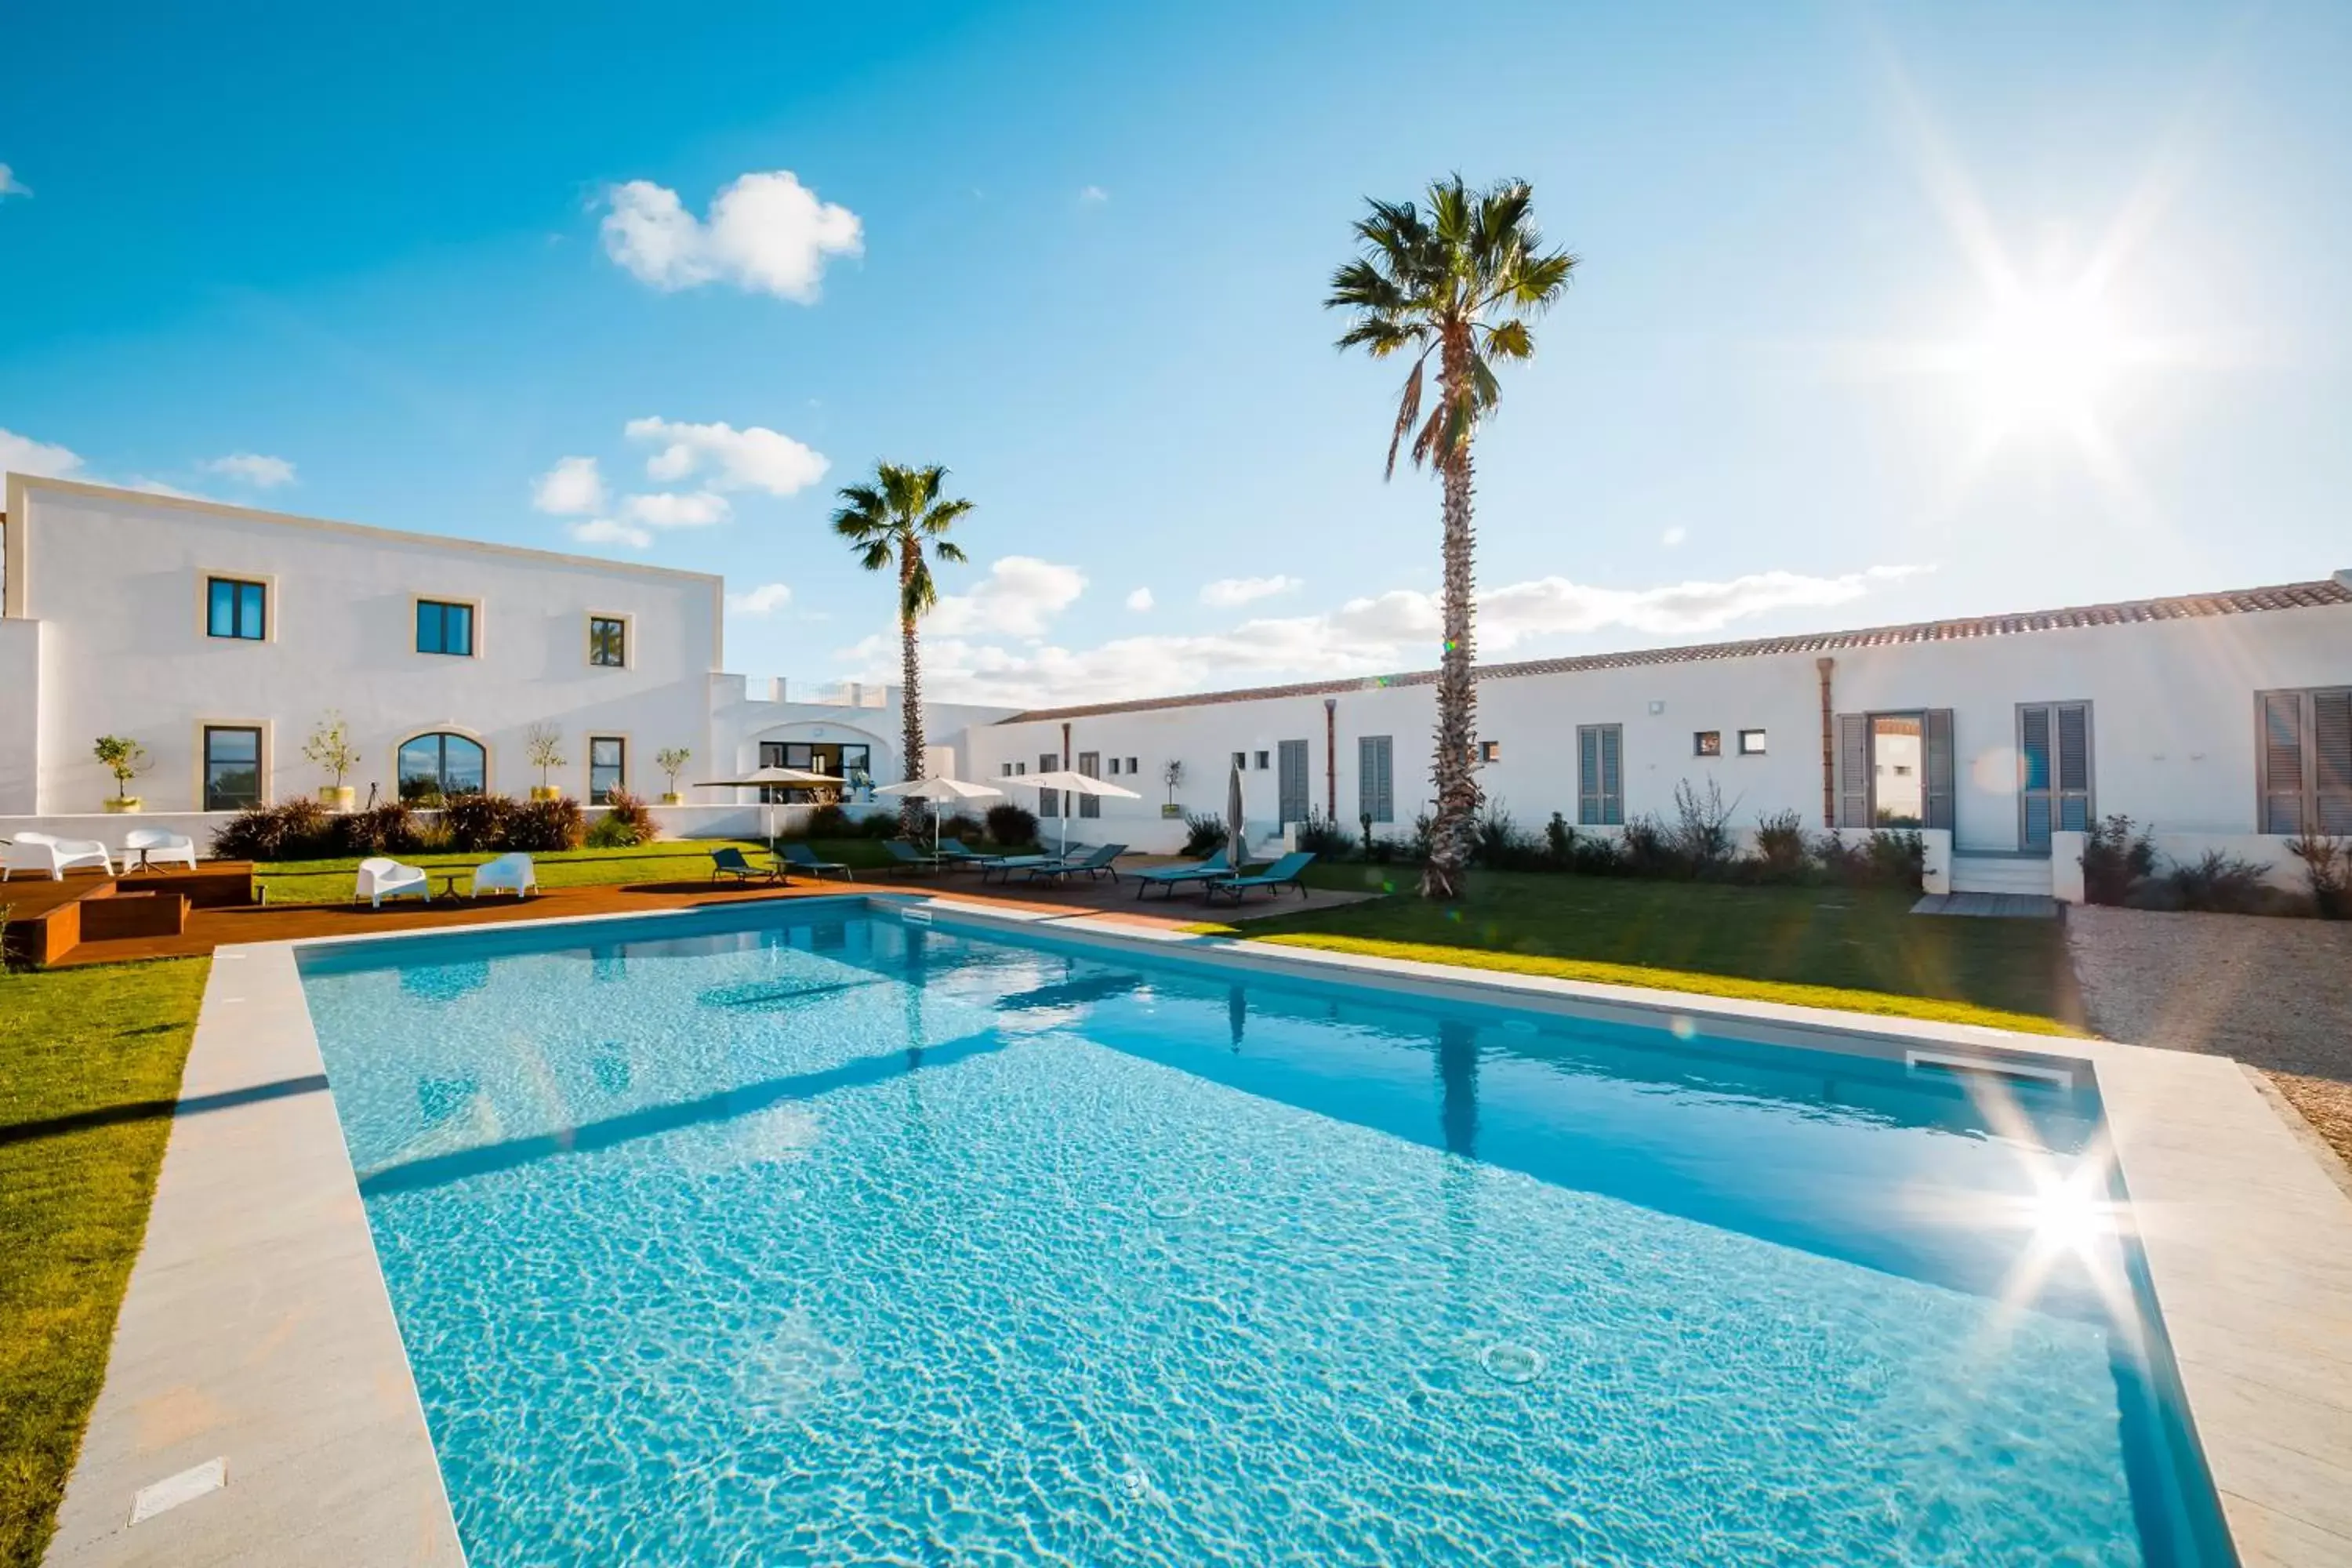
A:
x: 2304, y: 767
x: 1599, y: 775
x: 1090, y: 764
x: 2281, y: 763
x: 1375, y: 777
x: 1049, y: 801
x: 2053, y: 771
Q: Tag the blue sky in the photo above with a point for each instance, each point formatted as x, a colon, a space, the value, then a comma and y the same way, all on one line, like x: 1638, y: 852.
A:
x: 1885, y: 312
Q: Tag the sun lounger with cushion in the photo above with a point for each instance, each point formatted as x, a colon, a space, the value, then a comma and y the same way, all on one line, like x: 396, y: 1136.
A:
x: 801, y: 857
x: 1098, y: 863
x: 728, y: 861
x: 1171, y: 877
x: 1282, y: 873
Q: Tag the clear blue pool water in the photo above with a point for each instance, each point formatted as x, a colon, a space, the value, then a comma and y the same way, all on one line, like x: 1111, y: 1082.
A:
x: 803, y: 1235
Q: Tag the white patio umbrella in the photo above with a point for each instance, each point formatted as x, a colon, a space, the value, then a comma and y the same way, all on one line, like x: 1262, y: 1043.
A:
x: 772, y: 778
x: 937, y: 790
x: 1070, y: 783
x: 1236, y: 824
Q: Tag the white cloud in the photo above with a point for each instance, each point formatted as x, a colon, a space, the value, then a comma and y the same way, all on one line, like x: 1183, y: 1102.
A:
x: 1093, y: 196
x: 611, y: 531
x: 1140, y: 600
x: 10, y: 185
x: 574, y: 487
x: 767, y: 234
x: 1019, y: 596
x: 764, y: 600
x: 1673, y: 536
x: 23, y: 455
x: 251, y: 469
x: 751, y: 458
x: 1227, y: 592
x: 696, y: 508
x: 1391, y: 631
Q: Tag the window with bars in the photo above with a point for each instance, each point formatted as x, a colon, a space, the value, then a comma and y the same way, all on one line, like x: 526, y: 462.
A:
x: 1376, y: 777
x: 1599, y: 775
x: 2303, y: 766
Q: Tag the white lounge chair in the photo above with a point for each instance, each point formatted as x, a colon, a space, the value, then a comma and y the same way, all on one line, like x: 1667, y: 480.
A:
x: 507, y: 874
x: 149, y: 846
x: 41, y: 852
x: 381, y: 878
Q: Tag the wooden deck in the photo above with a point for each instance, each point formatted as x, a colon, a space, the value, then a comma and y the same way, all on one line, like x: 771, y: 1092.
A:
x: 207, y: 928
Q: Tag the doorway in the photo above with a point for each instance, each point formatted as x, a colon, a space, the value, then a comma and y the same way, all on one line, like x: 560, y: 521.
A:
x: 2053, y: 771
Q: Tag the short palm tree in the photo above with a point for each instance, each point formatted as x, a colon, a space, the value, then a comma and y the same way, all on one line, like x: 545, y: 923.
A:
x: 888, y: 521
x: 1459, y: 280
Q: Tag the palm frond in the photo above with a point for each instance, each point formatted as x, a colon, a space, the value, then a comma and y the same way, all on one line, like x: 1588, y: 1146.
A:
x: 1408, y: 410
x: 949, y: 550
x: 1511, y: 340
x: 876, y: 556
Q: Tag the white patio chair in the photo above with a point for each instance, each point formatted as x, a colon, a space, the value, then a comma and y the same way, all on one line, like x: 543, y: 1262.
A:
x: 507, y: 874
x: 381, y: 878
x: 42, y: 852
x: 158, y: 843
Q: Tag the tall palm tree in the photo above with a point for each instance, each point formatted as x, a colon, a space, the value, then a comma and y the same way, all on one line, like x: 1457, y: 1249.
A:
x: 888, y: 521
x: 1459, y: 280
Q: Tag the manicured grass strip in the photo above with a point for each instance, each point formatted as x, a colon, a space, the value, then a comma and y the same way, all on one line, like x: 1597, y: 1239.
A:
x: 1860, y: 949
x: 1796, y: 996
x: 90, y: 1062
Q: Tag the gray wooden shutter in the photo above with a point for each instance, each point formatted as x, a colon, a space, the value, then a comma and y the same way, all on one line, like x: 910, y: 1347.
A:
x: 1588, y: 776
x: 2281, y: 761
x: 2331, y: 759
x: 1940, y: 791
x: 1375, y: 778
x: 1090, y: 764
x: 1854, y: 770
x: 1049, y: 801
x: 2073, y: 767
x: 1290, y: 780
x: 2034, y: 777
x: 1612, y: 773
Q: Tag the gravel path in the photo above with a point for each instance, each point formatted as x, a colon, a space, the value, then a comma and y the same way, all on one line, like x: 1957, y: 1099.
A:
x: 2274, y: 994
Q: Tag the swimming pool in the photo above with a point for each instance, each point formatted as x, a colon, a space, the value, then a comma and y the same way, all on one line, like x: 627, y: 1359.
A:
x: 800, y: 1233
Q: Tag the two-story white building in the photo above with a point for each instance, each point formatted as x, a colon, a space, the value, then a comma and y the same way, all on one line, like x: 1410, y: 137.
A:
x: 220, y: 639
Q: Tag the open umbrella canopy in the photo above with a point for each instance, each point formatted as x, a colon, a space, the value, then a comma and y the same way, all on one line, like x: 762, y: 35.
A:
x: 1070, y: 783
x: 772, y: 778
x: 939, y: 790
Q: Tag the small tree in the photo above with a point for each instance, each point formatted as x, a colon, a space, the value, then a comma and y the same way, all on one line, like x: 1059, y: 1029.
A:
x: 125, y: 758
x: 330, y: 747
x: 672, y: 761
x: 543, y: 745
x: 1171, y: 773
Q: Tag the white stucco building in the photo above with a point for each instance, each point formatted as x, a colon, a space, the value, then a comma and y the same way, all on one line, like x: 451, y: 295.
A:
x: 219, y: 637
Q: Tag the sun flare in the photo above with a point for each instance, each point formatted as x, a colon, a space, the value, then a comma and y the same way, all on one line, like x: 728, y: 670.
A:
x: 2047, y: 359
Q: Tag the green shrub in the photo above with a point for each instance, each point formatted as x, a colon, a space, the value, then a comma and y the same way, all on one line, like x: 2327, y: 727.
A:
x: 1323, y: 838
x: 1011, y: 826
x: 476, y: 822
x: 296, y: 829
x: 1781, y: 847
x: 963, y: 825
x: 2221, y: 884
x: 1595, y: 855
x: 1203, y: 834
x: 544, y: 826
x: 1647, y: 848
x: 627, y: 821
x: 2114, y: 857
x: 885, y: 824
x: 1499, y: 844
x: 1701, y: 839
x: 389, y: 829
x: 827, y: 820
x: 2327, y: 868
x: 1559, y: 843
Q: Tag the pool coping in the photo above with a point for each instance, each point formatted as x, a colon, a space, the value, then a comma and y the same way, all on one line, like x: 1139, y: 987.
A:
x: 2247, y: 1243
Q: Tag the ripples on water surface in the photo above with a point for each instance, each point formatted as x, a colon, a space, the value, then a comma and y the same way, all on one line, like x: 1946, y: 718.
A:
x: 844, y: 1241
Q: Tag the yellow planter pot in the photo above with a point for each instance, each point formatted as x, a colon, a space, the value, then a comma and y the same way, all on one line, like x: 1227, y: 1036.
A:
x: 338, y: 797
x: 546, y: 791
x: 673, y: 798
x: 117, y: 805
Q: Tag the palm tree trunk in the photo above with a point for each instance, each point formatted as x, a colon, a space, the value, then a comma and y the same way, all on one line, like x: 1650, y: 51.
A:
x: 911, y: 682
x: 1457, y: 694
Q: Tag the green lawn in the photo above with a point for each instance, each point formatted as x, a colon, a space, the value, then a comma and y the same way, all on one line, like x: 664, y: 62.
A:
x: 89, y: 1065
x: 1822, y: 947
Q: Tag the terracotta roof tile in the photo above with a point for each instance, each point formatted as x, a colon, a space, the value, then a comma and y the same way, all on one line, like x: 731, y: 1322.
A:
x: 2187, y: 606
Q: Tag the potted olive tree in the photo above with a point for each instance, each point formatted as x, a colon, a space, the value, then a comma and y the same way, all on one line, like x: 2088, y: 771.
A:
x: 330, y: 747
x: 543, y: 745
x: 672, y: 761
x: 126, y: 759
x: 1171, y: 773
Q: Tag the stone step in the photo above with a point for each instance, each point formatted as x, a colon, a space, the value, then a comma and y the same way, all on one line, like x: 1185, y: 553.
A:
x: 1999, y: 874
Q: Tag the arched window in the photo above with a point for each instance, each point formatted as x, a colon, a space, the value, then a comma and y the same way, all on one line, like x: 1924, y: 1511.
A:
x: 442, y: 764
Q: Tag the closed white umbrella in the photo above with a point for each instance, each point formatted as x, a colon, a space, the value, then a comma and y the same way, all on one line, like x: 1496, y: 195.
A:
x: 938, y: 790
x: 1071, y: 784
x: 1237, y: 825
x: 772, y: 778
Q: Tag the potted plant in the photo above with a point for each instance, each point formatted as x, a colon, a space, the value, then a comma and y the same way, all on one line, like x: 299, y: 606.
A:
x: 126, y: 759
x: 543, y: 745
x: 330, y: 747
x: 1171, y: 773
x: 672, y: 761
